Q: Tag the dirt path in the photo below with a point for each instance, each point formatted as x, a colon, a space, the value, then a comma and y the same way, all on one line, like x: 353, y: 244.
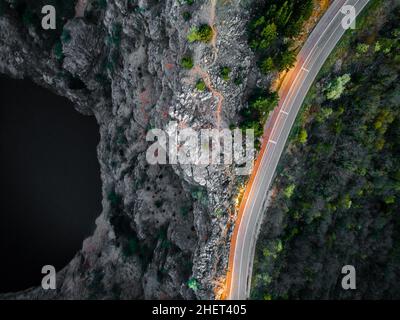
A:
x: 197, y: 70
x: 207, y: 80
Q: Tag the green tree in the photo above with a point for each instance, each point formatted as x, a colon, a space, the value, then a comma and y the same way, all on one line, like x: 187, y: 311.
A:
x: 268, y: 36
x: 362, y: 48
x: 303, y: 136
x: 289, y: 190
x: 267, y: 65
x: 336, y: 88
x: 287, y: 60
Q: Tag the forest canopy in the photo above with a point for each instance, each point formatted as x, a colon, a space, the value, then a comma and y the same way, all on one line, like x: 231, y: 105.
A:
x: 337, y: 194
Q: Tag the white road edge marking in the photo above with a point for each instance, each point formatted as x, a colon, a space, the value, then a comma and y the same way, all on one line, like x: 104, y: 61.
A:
x: 240, y: 266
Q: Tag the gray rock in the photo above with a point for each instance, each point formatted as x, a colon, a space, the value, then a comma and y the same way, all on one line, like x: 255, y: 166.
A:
x: 154, y: 235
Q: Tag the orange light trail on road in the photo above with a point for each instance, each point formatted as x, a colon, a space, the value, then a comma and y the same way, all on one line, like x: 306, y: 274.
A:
x: 265, y: 139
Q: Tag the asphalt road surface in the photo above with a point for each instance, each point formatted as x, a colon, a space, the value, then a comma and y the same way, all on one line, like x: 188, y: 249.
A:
x: 297, y: 82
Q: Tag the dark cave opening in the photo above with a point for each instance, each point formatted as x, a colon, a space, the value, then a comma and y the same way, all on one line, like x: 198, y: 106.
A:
x: 50, y: 187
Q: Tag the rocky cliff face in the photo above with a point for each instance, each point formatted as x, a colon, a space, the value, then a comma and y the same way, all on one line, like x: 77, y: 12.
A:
x: 120, y: 61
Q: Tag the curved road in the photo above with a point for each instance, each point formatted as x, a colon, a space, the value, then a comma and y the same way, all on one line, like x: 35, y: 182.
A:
x: 297, y: 82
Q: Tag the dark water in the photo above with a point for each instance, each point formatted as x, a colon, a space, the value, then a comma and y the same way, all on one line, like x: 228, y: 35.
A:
x: 50, y: 188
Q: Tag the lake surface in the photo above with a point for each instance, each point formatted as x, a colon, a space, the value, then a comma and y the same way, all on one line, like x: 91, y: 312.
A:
x: 50, y: 188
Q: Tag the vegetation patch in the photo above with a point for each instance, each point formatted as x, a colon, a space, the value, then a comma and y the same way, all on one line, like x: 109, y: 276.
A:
x: 256, y: 114
x: 274, y: 24
x: 204, y: 33
x: 201, y: 85
x: 225, y: 72
x: 187, y: 62
x: 338, y: 192
x: 186, y: 15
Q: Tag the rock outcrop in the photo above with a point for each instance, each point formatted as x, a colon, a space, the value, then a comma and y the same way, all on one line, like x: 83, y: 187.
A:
x: 161, y: 225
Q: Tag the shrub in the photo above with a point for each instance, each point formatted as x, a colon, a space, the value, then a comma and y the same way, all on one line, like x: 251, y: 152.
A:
x: 187, y: 62
x: 58, y: 51
x: 65, y: 36
x: 201, y: 85
x: 193, y: 284
x: 324, y: 114
x: 131, y: 248
x: 186, y: 15
x: 200, y: 195
x: 238, y: 80
x: 219, y: 213
x: 114, y: 199
x: 204, y: 33
x: 116, y: 32
x: 225, y: 71
x: 184, y: 210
